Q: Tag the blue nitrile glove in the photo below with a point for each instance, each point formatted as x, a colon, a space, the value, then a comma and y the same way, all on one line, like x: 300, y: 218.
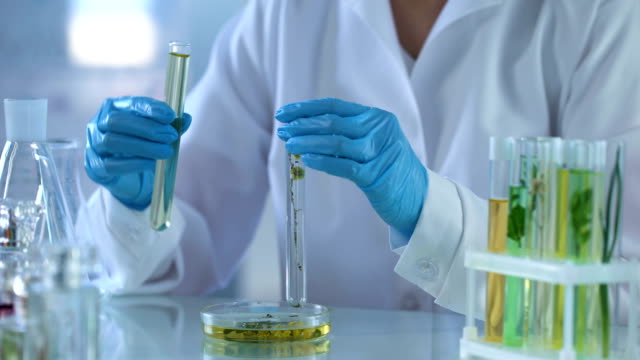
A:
x: 364, y: 145
x: 124, y: 140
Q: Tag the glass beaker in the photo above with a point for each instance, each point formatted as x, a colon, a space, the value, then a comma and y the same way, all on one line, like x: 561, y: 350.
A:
x: 68, y: 155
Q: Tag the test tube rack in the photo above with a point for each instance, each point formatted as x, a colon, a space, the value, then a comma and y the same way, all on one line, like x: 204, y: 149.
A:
x: 472, y: 346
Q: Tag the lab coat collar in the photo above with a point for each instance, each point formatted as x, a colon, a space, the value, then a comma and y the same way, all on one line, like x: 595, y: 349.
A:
x: 457, y: 9
x: 377, y: 13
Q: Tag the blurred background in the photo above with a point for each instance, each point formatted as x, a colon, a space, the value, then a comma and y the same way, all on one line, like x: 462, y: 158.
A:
x: 76, y: 53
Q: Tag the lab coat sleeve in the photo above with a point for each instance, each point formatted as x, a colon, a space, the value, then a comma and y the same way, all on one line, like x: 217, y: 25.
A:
x: 453, y: 218
x: 603, y: 102
x: 221, y: 180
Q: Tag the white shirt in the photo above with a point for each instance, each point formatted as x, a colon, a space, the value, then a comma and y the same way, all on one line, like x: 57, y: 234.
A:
x: 489, y: 68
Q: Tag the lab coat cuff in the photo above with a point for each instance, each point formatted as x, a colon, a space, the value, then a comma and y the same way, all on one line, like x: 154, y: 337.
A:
x: 397, y: 240
x: 426, y: 260
x: 132, y: 252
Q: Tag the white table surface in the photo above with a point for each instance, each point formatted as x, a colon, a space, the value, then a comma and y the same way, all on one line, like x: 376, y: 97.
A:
x: 162, y: 327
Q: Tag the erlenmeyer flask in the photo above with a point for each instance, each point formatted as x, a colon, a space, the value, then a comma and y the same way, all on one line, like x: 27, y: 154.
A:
x: 29, y: 183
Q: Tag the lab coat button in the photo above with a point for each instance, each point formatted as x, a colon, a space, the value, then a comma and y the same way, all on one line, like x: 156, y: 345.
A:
x: 410, y: 302
x: 427, y: 268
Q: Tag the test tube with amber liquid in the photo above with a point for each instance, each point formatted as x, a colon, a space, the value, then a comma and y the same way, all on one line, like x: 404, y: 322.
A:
x: 165, y: 174
x: 501, y: 157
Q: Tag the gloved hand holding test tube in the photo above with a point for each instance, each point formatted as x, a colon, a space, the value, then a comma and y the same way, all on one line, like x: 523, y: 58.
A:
x: 165, y: 174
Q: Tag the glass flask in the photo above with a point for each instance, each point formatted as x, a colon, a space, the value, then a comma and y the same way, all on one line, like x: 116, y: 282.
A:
x: 29, y: 185
x: 63, y: 307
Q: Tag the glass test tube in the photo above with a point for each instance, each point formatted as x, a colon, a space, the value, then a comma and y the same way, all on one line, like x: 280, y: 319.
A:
x: 613, y: 166
x: 501, y: 158
x: 296, y: 285
x: 584, y: 233
x: 515, y: 311
x: 165, y: 175
x: 540, y: 161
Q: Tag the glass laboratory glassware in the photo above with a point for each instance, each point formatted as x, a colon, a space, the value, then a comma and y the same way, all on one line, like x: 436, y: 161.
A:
x: 11, y: 331
x: 540, y: 164
x: 515, y: 311
x: 29, y: 182
x: 213, y: 349
x: 165, y: 174
x: 501, y: 158
x: 286, y: 321
x: 579, y: 233
x: 295, y: 265
x: 63, y: 308
x: 611, y: 222
x: 7, y: 274
x: 68, y: 156
x: 265, y: 322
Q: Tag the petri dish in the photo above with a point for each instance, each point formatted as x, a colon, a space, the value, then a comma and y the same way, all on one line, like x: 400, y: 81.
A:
x: 265, y: 322
x: 214, y: 349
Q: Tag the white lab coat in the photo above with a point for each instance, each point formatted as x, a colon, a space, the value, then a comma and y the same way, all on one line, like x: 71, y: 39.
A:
x: 489, y: 67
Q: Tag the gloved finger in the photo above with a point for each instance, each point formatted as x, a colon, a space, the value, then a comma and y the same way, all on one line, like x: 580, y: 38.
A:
x: 143, y: 106
x: 341, y: 167
x: 360, y: 150
x: 117, y: 144
x: 122, y: 166
x: 317, y: 107
x: 94, y: 167
x: 353, y: 127
x: 126, y: 123
x: 106, y: 168
x: 186, y: 122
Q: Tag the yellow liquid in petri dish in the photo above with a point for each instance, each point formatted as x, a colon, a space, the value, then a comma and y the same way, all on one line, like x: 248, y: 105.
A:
x: 260, y: 333
x: 216, y: 349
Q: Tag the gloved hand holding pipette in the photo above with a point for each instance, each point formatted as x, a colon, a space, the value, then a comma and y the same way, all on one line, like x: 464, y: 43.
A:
x: 124, y: 140
x: 364, y: 145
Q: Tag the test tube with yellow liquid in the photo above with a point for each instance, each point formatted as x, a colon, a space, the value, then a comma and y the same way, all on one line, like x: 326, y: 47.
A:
x: 165, y: 174
x: 501, y: 157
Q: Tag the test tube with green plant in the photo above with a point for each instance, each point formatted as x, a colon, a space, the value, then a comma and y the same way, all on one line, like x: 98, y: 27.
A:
x: 611, y: 233
x: 296, y: 277
x: 540, y: 163
x: 579, y: 238
x: 515, y: 311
